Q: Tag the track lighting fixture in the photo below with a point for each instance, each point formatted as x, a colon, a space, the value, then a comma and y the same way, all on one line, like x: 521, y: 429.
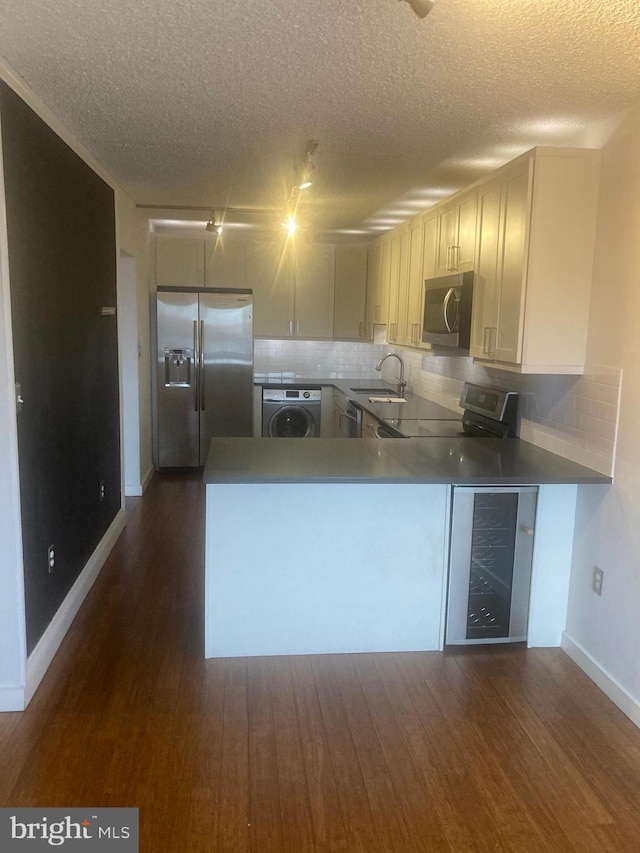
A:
x: 305, y: 173
x: 213, y: 224
x: 421, y: 7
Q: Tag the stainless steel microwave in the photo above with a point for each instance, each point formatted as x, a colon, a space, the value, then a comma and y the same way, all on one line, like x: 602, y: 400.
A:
x: 447, y: 310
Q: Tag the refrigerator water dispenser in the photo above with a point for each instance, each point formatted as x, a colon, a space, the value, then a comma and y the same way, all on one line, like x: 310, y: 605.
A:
x: 178, y: 367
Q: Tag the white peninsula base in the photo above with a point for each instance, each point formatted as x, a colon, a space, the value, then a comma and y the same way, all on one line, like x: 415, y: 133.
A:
x: 302, y: 568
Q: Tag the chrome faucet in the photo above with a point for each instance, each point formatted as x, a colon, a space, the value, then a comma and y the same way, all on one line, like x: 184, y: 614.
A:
x: 401, y: 383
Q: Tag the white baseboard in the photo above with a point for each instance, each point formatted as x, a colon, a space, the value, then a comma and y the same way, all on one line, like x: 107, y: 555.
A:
x: 12, y: 699
x: 147, y: 478
x: 607, y: 683
x: 40, y: 658
x: 136, y: 490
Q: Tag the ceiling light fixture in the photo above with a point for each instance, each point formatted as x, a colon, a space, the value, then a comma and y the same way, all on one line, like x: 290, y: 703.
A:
x: 421, y: 7
x: 213, y: 224
x: 290, y: 225
x: 305, y: 173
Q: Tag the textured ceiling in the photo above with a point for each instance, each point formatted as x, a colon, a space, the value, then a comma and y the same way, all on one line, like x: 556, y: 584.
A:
x: 213, y: 103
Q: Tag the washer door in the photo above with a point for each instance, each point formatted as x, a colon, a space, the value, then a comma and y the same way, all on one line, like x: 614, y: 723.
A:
x: 291, y: 422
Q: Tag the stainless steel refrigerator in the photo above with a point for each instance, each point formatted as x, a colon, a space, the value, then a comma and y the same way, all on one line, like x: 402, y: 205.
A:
x: 205, y: 371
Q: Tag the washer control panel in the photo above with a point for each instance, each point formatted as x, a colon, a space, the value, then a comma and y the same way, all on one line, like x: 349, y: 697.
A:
x: 291, y: 395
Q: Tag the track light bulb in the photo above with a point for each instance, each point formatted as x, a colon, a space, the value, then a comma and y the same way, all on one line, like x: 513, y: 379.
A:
x: 213, y: 225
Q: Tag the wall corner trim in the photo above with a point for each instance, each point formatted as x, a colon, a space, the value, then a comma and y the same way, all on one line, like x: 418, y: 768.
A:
x: 40, y: 658
x: 627, y: 703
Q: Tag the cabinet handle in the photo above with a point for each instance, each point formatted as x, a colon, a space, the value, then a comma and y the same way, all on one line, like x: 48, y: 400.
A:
x: 455, y: 257
x: 487, y: 348
x: 448, y: 257
x: 291, y: 327
x: 360, y: 330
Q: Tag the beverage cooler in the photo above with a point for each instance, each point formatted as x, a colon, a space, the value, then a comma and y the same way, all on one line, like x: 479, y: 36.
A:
x: 490, y: 564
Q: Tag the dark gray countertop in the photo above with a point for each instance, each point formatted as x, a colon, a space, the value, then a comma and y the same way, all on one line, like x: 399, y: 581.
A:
x: 458, y: 461
x: 415, y: 407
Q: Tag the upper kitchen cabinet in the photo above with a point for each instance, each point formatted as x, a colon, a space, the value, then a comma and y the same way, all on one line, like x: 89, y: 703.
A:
x: 314, y: 290
x: 200, y: 262
x: 456, y: 234
x: 179, y: 261
x: 537, y: 220
x: 270, y: 274
x: 350, y: 292
x: 378, y: 286
x: 398, y: 287
x: 292, y: 288
x: 423, y: 236
x: 225, y: 262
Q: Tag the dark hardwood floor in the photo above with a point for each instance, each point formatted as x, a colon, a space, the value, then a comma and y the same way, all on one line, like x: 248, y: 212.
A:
x: 488, y: 749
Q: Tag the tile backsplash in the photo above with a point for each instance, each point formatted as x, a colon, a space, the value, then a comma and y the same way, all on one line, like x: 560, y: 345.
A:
x: 573, y: 416
x: 276, y: 359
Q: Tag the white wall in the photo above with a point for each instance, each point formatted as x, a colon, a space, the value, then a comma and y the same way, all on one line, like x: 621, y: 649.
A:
x: 606, y: 629
x: 133, y: 238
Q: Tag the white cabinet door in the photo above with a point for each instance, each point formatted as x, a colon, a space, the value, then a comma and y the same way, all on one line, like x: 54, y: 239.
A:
x: 314, y: 291
x: 447, y: 238
x: 541, y: 277
x: 381, y: 309
x: 414, y: 295
x: 179, y: 261
x: 403, y: 288
x: 350, y: 292
x: 508, y: 346
x: 429, y: 253
x: 484, y: 323
x: 456, y: 240
x: 467, y: 222
x: 373, y: 276
x: 394, y: 284
x: 269, y: 273
x: 225, y: 263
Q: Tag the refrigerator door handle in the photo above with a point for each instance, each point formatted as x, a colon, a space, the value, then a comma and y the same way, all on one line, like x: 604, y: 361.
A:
x: 195, y: 359
x: 201, y: 370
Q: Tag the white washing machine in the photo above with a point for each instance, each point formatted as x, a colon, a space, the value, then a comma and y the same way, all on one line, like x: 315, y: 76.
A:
x: 291, y: 412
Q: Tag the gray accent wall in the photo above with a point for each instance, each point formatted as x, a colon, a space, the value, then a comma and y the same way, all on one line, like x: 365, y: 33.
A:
x: 62, y: 269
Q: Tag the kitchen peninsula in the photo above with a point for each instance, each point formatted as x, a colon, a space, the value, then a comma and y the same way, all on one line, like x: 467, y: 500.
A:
x: 341, y: 545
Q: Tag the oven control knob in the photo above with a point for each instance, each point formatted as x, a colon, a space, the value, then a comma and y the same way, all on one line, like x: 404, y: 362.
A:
x: 306, y: 395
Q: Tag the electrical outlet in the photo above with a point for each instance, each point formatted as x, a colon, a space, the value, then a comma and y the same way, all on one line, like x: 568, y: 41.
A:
x: 596, y: 583
x: 101, y: 491
x: 51, y: 557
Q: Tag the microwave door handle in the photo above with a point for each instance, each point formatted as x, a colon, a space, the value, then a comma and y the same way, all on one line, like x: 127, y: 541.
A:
x: 445, y: 306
